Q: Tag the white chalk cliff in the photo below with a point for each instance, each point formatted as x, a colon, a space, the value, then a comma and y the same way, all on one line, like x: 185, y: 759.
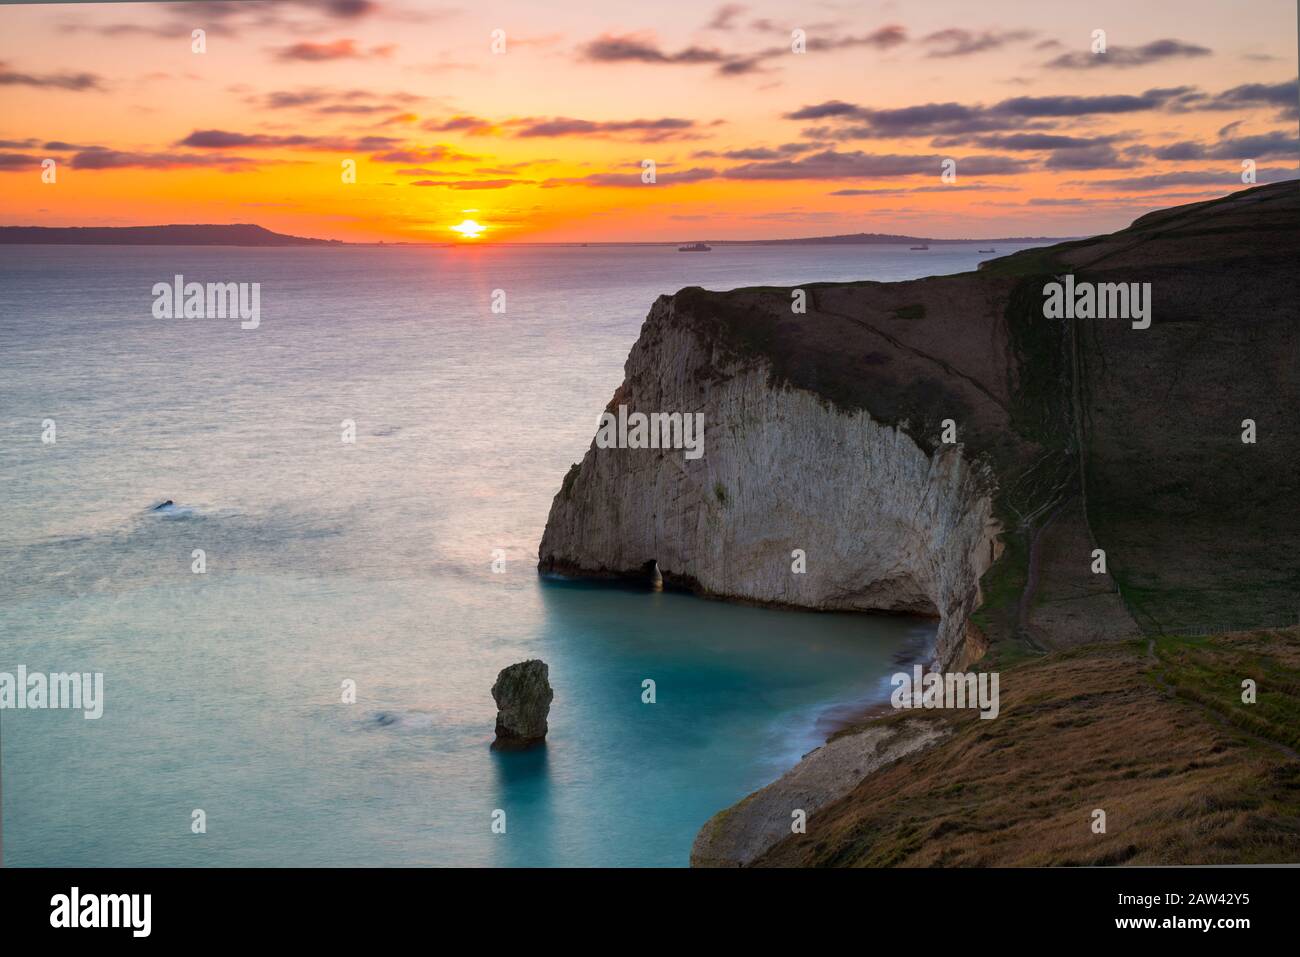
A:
x: 883, y: 524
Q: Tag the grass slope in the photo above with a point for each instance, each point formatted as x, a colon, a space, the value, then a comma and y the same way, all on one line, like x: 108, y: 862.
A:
x: 1185, y: 772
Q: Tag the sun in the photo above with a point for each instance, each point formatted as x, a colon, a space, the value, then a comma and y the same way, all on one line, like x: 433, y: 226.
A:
x: 469, y: 229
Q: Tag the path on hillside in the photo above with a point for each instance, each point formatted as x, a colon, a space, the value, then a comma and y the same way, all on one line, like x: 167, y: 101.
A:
x: 1081, y: 448
x: 1031, y: 581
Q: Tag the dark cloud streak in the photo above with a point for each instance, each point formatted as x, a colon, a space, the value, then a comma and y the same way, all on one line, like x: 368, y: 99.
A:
x: 1118, y: 56
x: 74, y: 82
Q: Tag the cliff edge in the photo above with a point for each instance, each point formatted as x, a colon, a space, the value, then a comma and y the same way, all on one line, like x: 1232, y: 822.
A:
x: 824, y: 481
x: 902, y: 436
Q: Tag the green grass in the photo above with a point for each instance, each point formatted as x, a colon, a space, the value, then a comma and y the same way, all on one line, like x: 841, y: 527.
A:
x: 1041, y: 399
x: 1029, y: 262
x: 1001, y: 587
x: 1209, y: 671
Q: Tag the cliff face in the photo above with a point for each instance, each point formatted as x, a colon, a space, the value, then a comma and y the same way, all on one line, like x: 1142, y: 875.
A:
x: 882, y: 523
x: 824, y: 432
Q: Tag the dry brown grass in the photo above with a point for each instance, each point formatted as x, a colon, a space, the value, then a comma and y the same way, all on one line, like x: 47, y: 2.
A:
x: 1096, y: 727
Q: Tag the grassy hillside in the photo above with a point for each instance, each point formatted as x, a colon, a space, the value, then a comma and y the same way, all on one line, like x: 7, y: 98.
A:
x: 1140, y: 427
x: 1158, y: 739
x: 1120, y: 692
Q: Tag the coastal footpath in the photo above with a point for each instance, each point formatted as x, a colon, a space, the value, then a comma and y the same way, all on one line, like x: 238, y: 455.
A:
x: 942, y: 447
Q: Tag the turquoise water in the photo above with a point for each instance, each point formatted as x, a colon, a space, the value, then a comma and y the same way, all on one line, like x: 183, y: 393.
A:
x: 370, y: 561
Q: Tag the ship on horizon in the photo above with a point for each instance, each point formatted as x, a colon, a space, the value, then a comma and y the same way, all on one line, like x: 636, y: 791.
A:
x: 695, y: 248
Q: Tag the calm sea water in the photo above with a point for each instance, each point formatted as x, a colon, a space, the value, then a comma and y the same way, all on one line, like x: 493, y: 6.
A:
x: 370, y: 561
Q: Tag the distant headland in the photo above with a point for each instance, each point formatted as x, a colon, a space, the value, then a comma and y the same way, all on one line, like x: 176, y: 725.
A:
x: 247, y: 234
x: 238, y: 234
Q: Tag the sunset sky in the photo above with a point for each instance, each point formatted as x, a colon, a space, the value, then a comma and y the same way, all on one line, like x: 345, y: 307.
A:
x: 544, y: 141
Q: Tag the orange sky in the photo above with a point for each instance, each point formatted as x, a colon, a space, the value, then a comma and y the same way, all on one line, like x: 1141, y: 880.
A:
x: 545, y: 141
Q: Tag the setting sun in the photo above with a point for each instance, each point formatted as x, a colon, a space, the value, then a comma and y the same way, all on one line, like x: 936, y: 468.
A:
x: 469, y: 229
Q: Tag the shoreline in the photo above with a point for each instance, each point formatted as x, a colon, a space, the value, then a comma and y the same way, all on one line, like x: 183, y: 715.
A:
x: 835, y: 719
x: 851, y: 749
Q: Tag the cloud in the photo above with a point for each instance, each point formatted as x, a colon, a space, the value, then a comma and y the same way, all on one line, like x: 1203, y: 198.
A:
x: 1186, y: 150
x: 17, y: 161
x: 101, y: 158
x: 1024, y: 141
x: 724, y: 18
x: 957, y: 119
x: 308, y: 51
x: 226, y: 139
x: 883, y: 39
x: 1278, y: 143
x: 644, y: 131
x: 901, y: 190
x: 162, y: 31
x: 76, y: 82
x: 428, y: 154
x: 284, y: 99
x: 828, y: 109
x: 104, y: 158
x: 639, y: 49
x: 426, y: 173
x: 1228, y: 179
x: 354, y: 109
x: 663, y: 177
x: 1088, y: 203
x: 830, y: 164
x: 1118, y: 56
x: 756, y: 153
x: 471, y: 125
x: 228, y: 18
x: 348, y: 9
x: 328, y: 102
x: 1064, y: 106
x: 1091, y: 203
x: 1246, y: 96
x: 507, y: 171
x: 886, y: 38
x: 892, y: 191
x: 1097, y: 156
x: 334, y: 9
x: 473, y: 183
x: 1020, y: 112
x: 957, y: 42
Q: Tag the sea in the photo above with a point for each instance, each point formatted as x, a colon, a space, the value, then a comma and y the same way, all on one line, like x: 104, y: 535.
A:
x: 297, y: 654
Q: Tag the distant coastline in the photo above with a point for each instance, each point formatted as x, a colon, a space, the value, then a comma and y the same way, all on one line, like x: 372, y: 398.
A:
x: 240, y: 234
x: 248, y: 234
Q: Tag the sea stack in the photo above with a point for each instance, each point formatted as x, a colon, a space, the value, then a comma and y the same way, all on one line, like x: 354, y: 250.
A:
x: 523, y: 695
